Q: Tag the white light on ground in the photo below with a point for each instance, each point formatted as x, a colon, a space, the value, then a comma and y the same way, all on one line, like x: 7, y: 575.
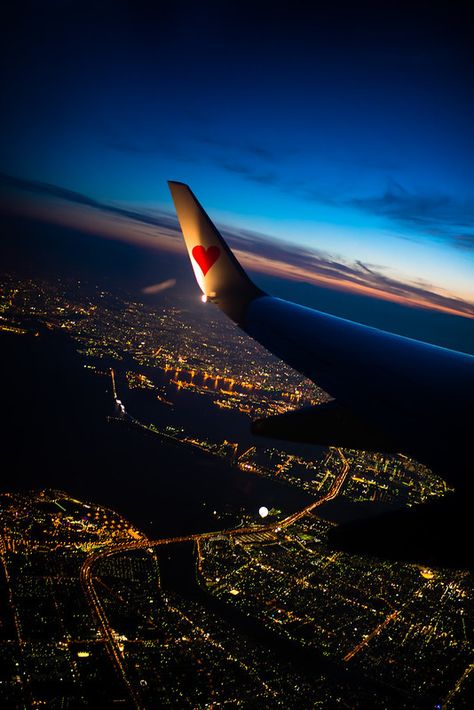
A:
x: 204, y: 298
x: 263, y: 512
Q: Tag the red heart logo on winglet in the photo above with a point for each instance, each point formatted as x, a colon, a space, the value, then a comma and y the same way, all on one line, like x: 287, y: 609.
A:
x: 206, y: 257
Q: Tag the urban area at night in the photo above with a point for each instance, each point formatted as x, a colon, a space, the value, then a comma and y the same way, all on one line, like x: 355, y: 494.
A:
x: 237, y: 613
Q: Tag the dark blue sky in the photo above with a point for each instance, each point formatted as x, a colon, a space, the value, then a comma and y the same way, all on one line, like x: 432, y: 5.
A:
x: 323, y: 135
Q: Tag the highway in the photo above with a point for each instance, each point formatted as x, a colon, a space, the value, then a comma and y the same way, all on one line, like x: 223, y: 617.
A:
x: 114, y: 388
x: 330, y: 495
x: 372, y: 634
x: 448, y: 700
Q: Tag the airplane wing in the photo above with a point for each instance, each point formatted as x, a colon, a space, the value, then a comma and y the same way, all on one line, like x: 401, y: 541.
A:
x: 390, y: 393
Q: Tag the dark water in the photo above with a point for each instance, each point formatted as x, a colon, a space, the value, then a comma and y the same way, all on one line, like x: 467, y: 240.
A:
x: 195, y: 412
x: 201, y: 418
x: 55, y: 435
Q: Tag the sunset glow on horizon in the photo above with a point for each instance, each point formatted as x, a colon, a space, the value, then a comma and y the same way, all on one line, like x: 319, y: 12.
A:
x: 315, y: 268
x: 347, y: 164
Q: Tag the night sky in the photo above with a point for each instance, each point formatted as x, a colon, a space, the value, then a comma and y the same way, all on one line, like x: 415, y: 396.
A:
x: 331, y: 141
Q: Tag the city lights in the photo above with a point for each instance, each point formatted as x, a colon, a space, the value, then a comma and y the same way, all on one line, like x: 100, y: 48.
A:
x: 84, y: 584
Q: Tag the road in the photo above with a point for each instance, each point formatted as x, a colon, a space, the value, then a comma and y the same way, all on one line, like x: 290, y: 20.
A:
x: 372, y: 634
x: 330, y: 495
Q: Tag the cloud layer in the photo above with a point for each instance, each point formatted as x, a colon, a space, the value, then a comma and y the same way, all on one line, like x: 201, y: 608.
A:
x: 158, y: 229
x: 432, y: 215
x: 439, y: 215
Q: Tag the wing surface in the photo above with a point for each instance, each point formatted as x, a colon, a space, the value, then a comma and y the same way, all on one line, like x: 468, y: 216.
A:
x: 392, y: 393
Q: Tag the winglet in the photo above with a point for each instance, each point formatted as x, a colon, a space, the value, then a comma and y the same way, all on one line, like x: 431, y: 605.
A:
x: 218, y: 273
